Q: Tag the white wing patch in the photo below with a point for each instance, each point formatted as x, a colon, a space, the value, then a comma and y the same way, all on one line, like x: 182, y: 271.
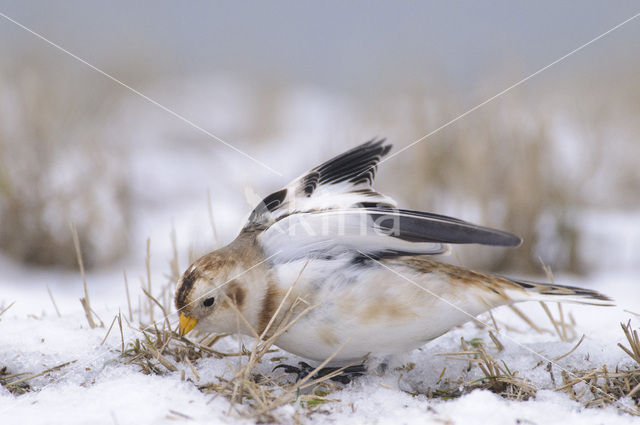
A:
x: 332, y: 233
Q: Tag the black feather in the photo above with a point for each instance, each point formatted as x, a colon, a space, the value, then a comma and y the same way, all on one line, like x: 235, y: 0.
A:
x: 356, y: 166
x: 274, y: 200
x: 417, y: 226
x: 561, y: 290
x: 268, y: 204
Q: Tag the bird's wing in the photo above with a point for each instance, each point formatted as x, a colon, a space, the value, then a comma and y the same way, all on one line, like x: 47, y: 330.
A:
x: 342, y: 182
x: 333, y: 209
x: 419, y: 226
x: 375, y: 232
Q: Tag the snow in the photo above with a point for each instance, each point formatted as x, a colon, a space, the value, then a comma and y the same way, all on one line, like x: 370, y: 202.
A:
x: 99, y: 388
x: 381, y: 405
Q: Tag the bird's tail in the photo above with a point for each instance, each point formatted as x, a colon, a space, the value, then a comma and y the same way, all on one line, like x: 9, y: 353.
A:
x: 535, y: 291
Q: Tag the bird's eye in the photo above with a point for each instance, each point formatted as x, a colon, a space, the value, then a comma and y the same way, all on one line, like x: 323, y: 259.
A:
x: 208, y: 302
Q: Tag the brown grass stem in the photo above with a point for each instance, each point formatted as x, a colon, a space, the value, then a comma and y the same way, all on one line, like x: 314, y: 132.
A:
x: 86, y: 304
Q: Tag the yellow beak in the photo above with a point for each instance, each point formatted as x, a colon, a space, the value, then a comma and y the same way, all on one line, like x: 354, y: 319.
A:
x: 186, y: 324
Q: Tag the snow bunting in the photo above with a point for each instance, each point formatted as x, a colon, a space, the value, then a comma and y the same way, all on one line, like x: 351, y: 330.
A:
x: 364, y: 265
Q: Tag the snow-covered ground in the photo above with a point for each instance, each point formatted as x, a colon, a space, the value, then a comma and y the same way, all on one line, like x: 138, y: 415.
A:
x: 98, y: 388
x: 170, y: 183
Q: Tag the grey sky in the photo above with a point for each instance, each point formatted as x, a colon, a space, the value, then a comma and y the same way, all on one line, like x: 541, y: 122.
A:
x: 343, y: 45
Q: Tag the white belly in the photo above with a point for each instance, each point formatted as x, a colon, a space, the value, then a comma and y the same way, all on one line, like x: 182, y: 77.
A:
x: 375, y: 311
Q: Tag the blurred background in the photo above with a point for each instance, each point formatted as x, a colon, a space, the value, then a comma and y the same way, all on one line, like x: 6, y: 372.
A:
x: 555, y: 159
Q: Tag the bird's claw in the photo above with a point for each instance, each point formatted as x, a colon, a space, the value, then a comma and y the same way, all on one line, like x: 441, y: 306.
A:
x: 304, y: 369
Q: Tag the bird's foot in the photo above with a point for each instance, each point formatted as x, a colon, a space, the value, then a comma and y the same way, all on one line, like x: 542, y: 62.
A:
x: 344, y: 377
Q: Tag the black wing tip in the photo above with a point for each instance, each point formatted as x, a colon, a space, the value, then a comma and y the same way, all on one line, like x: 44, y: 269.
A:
x: 581, y: 292
x: 601, y: 297
x: 455, y: 231
x: 373, y: 146
x: 509, y: 240
x: 356, y: 166
x: 591, y: 294
x: 375, y: 142
x: 565, y: 290
x: 382, y: 142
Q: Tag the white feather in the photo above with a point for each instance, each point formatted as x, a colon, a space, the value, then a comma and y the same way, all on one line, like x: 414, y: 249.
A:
x: 331, y: 233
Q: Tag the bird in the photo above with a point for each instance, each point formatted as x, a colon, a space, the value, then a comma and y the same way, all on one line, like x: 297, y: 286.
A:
x: 368, y: 275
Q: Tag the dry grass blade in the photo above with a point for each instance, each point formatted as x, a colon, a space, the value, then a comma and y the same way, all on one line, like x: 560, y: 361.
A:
x: 126, y: 288
x: 4, y: 310
x: 207, y: 348
x: 497, y: 377
x: 559, y: 325
x: 592, y: 387
x: 211, y: 339
x: 121, y: 332
x: 109, y: 330
x: 174, y: 265
x: 603, y: 388
x: 162, y: 308
x: 160, y: 358
x: 634, y: 391
x: 179, y: 415
x: 292, y: 393
x: 493, y: 320
x: 147, y: 262
x: 634, y: 342
x: 86, y: 304
x: 564, y: 330
x: 193, y: 369
x: 570, y: 351
x: 4, y: 376
x: 211, y: 221
x: 44, y: 372
x: 496, y: 341
x: 526, y: 319
x: 53, y: 301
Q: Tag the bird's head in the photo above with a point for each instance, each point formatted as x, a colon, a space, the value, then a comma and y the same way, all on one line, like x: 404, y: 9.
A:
x: 205, y: 290
x: 215, y: 289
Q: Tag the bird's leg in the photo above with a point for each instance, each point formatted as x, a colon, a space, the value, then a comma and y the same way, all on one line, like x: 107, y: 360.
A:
x: 347, y: 375
x: 303, y: 369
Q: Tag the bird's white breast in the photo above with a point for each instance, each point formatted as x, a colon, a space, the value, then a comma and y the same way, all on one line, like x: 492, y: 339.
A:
x: 370, y: 309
